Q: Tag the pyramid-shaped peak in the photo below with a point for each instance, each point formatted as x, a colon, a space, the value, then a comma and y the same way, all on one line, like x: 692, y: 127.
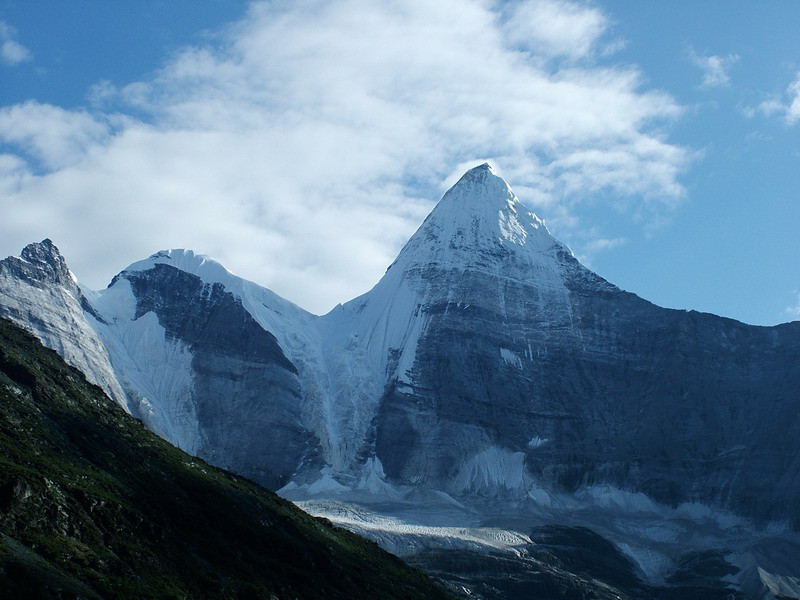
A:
x: 479, y: 223
x: 484, y: 199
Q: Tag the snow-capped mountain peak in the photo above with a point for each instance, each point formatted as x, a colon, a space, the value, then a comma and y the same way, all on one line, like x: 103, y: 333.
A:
x: 479, y: 230
x: 478, y: 224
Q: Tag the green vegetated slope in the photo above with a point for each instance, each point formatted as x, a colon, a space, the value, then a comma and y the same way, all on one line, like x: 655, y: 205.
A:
x: 93, y: 505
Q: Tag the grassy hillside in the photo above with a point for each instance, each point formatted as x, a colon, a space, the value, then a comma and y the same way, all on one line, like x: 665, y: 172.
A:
x: 93, y: 505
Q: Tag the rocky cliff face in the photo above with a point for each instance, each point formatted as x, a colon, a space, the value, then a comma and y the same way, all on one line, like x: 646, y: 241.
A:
x: 532, y: 372
x: 497, y: 365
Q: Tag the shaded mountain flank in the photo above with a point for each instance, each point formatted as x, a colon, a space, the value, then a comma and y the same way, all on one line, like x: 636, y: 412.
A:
x: 92, y: 505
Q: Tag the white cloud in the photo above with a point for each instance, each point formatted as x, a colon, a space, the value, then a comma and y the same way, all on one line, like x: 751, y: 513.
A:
x: 787, y: 107
x: 11, y: 51
x: 715, y: 68
x: 554, y: 28
x: 53, y: 136
x: 304, y: 150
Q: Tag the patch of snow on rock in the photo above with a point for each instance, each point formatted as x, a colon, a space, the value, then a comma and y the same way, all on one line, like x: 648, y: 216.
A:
x: 510, y: 358
x: 492, y: 470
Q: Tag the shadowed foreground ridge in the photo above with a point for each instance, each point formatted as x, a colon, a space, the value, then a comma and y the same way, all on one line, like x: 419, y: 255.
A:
x: 93, y: 505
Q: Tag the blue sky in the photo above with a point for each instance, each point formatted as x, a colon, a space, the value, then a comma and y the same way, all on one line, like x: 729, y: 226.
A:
x: 301, y: 143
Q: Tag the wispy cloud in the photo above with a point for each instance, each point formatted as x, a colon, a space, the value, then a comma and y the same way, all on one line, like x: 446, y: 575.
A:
x: 306, y: 147
x: 786, y: 107
x: 793, y: 311
x: 12, y: 52
x: 588, y: 249
x: 600, y: 244
x: 715, y: 68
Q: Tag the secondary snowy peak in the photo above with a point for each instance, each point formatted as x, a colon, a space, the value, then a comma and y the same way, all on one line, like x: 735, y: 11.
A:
x: 478, y: 223
x: 201, y: 363
x: 209, y: 270
x: 269, y: 309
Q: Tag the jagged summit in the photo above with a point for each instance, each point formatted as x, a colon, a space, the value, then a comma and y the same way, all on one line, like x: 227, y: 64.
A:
x: 40, y: 262
x: 45, y: 250
x: 39, y: 292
